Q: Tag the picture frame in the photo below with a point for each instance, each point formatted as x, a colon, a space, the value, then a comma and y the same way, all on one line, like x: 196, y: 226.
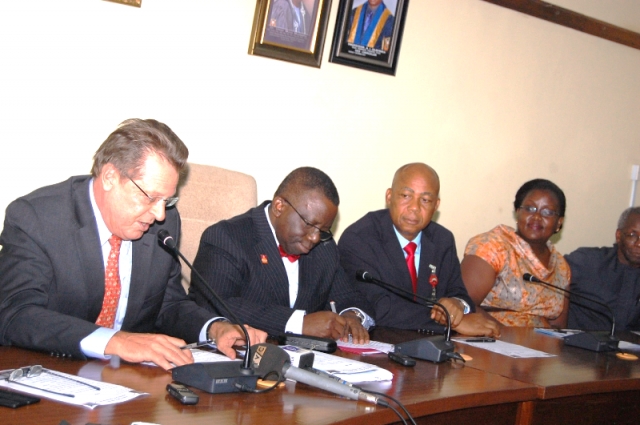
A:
x: 134, y: 3
x: 375, y: 48
x: 290, y: 30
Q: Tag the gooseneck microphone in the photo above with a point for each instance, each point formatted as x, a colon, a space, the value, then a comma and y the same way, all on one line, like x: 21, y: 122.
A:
x: 436, y: 348
x: 593, y: 341
x: 268, y: 358
x: 214, y: 377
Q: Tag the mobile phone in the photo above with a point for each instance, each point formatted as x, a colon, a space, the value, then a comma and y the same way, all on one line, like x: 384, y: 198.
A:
x: 402, y: 359
x: 325, y: 345
x: 183, y: 394
x: 15, y: 400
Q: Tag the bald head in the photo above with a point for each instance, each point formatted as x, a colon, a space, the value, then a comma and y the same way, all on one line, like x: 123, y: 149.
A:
x: 413, y: 198
x: 418, y: 169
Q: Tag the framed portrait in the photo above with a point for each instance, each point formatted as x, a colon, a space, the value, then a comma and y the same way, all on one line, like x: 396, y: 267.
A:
x: 368, y: 34
x: 290, y: 30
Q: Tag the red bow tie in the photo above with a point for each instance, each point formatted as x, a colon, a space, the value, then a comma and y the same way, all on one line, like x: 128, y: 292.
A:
x: 292, y: 258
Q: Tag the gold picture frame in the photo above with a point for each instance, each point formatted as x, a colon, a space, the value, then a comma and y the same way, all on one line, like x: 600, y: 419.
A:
x: 135, y: 3
x: 290, y: 30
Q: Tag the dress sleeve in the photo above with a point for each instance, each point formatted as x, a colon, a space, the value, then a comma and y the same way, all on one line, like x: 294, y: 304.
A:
x: 490, y: 248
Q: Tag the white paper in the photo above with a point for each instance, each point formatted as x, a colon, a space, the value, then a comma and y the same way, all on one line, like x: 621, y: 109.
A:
x: 350, y: 370
x: 507, y: 349
x: 379, y: 347
x: 83, y: 395
x: 624, y: 345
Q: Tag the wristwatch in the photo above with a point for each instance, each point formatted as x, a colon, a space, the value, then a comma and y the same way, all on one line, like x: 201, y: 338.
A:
x: 359, y: 314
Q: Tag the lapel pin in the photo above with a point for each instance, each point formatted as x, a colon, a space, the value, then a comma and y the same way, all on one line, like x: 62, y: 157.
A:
x: 264, y: 259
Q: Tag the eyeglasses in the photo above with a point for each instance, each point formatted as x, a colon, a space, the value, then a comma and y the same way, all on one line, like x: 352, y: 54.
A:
x: 153, y: 199
x: 325, y: 235
x: 35, y: 371
x: 631, y: 237
x: 545, y: 212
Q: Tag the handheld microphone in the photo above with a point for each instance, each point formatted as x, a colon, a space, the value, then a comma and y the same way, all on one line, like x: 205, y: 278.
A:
x: 593, y: 341
x: 212, y: 377
x: 435, y: 348
x: 269, y: 358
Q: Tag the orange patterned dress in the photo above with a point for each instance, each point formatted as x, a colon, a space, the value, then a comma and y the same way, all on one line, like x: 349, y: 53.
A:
x: 512, y: 301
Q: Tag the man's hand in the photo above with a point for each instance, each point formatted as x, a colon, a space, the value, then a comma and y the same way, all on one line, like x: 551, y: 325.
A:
x: 227, y: 335
x: 477, y: 324
x: 327, y: 324
x: 159, y: 349
x: 455, y: 308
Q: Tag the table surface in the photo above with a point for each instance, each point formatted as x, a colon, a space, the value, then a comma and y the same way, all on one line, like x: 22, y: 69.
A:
x: 426, y: 389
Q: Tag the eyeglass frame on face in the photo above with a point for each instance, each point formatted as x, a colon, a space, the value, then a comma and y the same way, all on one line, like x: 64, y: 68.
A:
x: 169, y: 202
x: 37, y: 370
x: 544, y: 212
x: 325, y: 235
x: 631, y: 237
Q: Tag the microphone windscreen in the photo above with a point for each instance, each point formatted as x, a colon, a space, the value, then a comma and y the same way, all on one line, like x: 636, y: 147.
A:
x: 364, y: 276
x: 166, y: 239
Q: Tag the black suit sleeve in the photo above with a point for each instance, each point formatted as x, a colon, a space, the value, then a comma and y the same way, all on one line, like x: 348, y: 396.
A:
x: 30, y: 315
x: 243, y: 283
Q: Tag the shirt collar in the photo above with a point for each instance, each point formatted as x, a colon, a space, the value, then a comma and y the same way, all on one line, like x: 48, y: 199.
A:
x: 404, y: 241
x: 103, y: 232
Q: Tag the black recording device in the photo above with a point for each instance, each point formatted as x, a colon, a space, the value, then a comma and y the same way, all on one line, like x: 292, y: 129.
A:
x: 593, y: 341
x: 183, y: 394
x: 15, y: 400
x: 402, y: 359
x: 212, y: 377
x: 324, y: 345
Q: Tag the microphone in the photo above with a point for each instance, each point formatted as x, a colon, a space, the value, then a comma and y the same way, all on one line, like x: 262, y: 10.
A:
x: 435, y: 348
x: 593, y: 341
x: 268, y: 358
x: 212, y: 377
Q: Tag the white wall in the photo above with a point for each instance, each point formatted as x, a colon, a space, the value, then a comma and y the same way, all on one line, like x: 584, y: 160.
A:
x: 488, y: 96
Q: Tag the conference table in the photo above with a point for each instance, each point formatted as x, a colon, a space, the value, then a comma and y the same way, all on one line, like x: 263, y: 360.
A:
x: 574, y: 386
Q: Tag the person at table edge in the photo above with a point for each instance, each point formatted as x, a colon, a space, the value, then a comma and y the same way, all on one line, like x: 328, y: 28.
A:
x: 277, y: 265
x: 610, y: 275
x: 55, y: 249
x: 376, y: 243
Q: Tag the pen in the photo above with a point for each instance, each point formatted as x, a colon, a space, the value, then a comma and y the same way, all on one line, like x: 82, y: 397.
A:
x: 197, y: 344
x: 479, y: 340
x: 333, y: 306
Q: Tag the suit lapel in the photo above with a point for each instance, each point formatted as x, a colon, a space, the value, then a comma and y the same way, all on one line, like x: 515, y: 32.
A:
x: 142, y: 256
x: 395, y: 254
x: 275, y: 275
x: 89, y: 249
x: 427, y: 253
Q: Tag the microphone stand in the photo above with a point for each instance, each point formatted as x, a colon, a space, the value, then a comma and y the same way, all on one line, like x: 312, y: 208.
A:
x: 437, y: 348
x: 594, y: 341
x: 213, y: 377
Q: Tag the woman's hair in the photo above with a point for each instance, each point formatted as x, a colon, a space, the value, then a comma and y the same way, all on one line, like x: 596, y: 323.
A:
x: 541, y: 184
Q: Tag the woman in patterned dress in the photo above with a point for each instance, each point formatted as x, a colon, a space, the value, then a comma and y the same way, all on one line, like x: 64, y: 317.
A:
x: 495, y: 261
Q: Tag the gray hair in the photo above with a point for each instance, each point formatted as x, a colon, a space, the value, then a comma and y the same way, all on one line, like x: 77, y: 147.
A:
x: 625, y: 216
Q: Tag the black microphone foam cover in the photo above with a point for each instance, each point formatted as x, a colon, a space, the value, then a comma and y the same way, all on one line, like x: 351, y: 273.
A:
x: 166, y: 239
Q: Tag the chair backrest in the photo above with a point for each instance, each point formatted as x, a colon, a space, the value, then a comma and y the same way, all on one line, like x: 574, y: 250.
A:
x: 209, y: 194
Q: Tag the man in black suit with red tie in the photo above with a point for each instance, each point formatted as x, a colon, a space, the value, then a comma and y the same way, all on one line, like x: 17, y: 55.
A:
x: 402, y: 246
x: 277, y: 265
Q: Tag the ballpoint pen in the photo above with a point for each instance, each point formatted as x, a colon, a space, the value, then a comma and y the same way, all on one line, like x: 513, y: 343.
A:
x: 198, y: 344
x: 333, y: 306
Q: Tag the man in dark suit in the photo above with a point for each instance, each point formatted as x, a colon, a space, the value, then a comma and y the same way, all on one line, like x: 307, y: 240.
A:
x: 376, y: 242
x: 57, y: 244
x: 277, y: 265
x: 610, y: 274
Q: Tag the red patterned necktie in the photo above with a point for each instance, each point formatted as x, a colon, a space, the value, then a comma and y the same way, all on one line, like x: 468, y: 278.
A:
x: 410, y: 249
x: 292, y: 258
x: 111, y: 286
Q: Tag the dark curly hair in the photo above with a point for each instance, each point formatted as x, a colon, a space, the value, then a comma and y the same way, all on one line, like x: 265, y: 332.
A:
x: 541, y: 184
